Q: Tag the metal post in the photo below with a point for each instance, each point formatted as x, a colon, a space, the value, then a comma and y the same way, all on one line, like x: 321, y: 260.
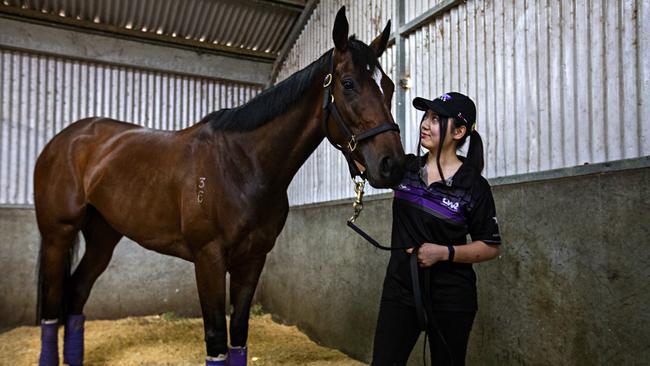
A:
x: 400, y: 91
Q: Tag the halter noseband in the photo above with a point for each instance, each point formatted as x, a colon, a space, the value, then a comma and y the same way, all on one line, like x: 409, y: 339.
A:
x: 352, y: 140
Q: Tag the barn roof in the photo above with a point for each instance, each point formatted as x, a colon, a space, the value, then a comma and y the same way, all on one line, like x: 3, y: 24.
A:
x: 257, y: 29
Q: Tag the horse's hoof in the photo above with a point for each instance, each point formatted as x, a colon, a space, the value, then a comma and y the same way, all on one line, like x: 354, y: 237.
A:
x: 236, y: 356
x: 215, y: 361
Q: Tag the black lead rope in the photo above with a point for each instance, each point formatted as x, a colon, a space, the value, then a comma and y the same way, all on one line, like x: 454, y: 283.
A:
x: 423, y: 310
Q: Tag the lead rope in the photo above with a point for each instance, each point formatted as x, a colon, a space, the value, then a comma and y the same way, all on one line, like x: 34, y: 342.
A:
x: 422, y: 313
x: 357, y: 206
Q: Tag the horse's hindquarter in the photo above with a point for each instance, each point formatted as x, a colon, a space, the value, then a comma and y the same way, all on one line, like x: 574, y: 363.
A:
x: 59, y: 195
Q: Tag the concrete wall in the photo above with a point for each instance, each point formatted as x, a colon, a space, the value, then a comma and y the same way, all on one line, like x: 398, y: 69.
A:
x: 136, y: 282
x: 570, y: 286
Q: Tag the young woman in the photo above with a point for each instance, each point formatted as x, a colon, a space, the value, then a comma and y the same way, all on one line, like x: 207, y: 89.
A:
x: 441, y: 200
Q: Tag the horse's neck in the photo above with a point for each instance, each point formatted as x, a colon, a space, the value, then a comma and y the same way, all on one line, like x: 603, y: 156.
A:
x: 283, y: 145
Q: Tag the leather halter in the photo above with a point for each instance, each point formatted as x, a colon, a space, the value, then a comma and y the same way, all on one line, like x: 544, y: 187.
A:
x: 329, y: 108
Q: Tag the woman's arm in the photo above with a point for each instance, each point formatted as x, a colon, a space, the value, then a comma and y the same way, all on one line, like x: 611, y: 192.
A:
x: 474, y: 252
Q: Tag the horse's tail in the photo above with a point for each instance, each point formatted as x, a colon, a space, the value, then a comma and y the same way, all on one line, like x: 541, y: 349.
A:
x: 67, y: 274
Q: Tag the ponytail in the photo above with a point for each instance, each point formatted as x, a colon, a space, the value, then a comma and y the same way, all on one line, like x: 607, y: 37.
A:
x: 475, y: 151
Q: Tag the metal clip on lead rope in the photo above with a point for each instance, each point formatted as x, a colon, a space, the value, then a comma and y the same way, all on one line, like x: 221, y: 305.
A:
x: 358, y: 206
x: 358, y: 201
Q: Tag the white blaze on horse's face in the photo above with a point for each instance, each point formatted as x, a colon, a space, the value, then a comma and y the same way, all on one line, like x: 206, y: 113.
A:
x: 376, y: 76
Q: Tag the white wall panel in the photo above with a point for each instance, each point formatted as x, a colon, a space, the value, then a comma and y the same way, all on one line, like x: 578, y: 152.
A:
x: 556, y: 83
x: 40, y: 95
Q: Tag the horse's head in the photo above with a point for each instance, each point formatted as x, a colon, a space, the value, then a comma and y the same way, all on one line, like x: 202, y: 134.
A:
x: 358, y: 118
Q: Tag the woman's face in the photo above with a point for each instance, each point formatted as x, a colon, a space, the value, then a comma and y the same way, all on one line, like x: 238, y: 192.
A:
x: 430, y: 130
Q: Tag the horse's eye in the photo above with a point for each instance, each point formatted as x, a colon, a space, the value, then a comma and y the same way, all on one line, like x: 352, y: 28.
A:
x: 348, y: 84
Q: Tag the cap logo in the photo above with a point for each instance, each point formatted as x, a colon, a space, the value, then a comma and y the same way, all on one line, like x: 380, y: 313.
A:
x: 460, y: 115
x: 445, y: 97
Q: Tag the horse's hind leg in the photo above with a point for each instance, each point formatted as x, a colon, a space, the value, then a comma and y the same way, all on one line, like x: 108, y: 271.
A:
x: 101, y: 240
x: 56, y: 245
x: 243, y: 281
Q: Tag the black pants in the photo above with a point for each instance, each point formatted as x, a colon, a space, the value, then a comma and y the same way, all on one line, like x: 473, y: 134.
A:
x: 398, y: 330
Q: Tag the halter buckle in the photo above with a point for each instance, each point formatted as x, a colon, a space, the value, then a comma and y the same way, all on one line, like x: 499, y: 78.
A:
x: 352, y: 144
x: 328, y: 80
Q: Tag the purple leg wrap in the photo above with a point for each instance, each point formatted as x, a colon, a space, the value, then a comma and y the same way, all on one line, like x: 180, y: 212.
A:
x: 215, y: 363
x: 49, y: 345
x: 73, y: 340
x: 236, y: 356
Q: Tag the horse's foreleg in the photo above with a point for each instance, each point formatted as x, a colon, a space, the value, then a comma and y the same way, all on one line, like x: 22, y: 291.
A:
x: 243, y: 281
x: 210, y: 271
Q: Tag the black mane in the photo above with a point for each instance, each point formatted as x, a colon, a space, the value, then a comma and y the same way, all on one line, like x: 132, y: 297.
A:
x: 269, y: 103
x: 279, y: 98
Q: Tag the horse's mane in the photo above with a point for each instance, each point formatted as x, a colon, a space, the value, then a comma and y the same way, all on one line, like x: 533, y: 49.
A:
x: 269, y: 103
x: 279, y: 98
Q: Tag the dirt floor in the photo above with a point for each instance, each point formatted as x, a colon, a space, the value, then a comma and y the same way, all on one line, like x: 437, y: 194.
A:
x: 168, y: 340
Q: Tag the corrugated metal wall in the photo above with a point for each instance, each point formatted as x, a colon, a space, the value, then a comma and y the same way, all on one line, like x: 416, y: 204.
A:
x: 325, y: 176
x: 556, y: 83
x: 40, y: 95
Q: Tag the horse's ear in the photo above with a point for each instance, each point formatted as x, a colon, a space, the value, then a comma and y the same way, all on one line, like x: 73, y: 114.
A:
x: 379, y: 44
x: 340, y: 31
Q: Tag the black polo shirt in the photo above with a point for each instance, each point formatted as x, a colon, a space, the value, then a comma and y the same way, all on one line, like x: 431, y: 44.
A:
x: 441, y: 213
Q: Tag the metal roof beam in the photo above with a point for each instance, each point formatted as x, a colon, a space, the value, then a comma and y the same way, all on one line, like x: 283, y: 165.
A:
x: 75, y: 44
x: 427, y: 16
x: 50, y: 19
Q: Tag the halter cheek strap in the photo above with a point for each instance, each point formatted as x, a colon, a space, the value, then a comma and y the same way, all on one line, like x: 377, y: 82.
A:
x: 329, y: 108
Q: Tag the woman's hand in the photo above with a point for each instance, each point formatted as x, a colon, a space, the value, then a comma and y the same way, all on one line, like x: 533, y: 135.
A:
x: 430, y: 254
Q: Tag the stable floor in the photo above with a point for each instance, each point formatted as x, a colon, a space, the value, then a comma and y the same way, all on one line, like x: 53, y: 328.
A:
x: 168, y: 340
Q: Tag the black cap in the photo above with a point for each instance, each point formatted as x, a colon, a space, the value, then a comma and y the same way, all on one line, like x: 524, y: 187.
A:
x: 450, y: 104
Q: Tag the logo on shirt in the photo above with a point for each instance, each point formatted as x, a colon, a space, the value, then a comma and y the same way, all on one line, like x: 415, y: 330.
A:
x: 452, y: 205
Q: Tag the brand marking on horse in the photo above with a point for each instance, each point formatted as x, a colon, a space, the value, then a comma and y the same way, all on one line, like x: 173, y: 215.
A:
x: 452, y: 205
x: 201, y: 192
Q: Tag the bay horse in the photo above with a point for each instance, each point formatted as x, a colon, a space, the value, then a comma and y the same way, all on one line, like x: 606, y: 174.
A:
x: 214, y: 194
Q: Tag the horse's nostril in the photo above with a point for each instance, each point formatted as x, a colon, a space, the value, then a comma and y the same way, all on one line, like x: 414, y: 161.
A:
x: 386, y: 167
x: 390, y: 168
